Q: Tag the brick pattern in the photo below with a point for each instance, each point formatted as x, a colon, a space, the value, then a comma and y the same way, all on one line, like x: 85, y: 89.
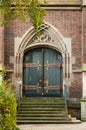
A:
x: 16, y: 28
x: 1, y: 45
x: 69, y: 24
x: 75, y: 89
x: 84, y: 34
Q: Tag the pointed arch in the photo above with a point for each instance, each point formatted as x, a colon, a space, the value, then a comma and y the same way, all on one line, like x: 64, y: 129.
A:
x: 48, y: 36
x: 52, y: 37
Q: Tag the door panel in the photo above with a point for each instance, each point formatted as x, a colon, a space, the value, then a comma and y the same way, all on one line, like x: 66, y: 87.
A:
x: 42, y: 73
x: 32, y: 72
x: 53, y: 72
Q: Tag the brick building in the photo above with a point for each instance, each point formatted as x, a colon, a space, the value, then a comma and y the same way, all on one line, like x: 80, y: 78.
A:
x: 28, y: 58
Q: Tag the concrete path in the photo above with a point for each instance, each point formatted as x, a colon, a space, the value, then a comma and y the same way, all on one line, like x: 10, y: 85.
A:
x: 81, y: 126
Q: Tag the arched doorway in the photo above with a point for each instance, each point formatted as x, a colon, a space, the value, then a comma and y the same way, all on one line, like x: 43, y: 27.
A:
x: 49, y: 41
x: 42, y: 72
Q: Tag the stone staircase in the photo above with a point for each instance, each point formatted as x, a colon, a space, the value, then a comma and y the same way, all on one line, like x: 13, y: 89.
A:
x: 42, y: 110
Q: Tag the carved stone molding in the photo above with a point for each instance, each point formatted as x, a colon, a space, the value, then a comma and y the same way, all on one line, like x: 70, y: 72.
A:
x: 42, y: 37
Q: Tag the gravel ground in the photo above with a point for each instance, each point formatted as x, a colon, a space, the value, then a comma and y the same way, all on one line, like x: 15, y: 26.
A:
x: 81, y: 126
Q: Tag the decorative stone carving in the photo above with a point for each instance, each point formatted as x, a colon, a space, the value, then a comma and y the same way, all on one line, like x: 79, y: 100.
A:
x: 42, y: 37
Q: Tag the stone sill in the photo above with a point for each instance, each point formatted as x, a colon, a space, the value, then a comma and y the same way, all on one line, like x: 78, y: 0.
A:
x: 63, y: 2
x: 59, y: 7
x: 10, y: 71
x: 77, y: 71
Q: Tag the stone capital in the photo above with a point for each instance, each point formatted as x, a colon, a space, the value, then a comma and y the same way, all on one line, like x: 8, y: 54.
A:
x: 84, y: 2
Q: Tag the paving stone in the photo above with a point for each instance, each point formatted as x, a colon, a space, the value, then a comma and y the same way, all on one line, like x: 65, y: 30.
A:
x: 81, y: 126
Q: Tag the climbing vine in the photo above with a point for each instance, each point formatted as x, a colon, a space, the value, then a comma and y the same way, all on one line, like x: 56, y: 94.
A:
x: 12, y: 9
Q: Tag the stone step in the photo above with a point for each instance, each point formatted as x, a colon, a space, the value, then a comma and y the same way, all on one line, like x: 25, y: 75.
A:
x: 42, y: 118
x: 42, y: 99
x: 42, y: 103
x: 41, y: 112
x: 41, y: 109
x: 41, y: 115
x: 43, y: 122
x: 42, y: 106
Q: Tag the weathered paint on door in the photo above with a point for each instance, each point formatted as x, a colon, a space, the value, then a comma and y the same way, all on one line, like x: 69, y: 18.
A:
x: 42, y: 73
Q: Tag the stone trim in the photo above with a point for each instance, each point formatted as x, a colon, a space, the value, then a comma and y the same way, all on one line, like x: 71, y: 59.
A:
x: 62, y: 8
x: 62, y: 2
x: 84, y: 3
x: 84, y: 84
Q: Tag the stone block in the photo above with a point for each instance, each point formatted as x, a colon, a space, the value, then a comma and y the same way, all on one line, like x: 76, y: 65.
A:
x: 83, y: 109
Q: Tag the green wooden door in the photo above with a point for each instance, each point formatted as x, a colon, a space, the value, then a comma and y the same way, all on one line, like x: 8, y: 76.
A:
x: 53, y: 72
x: 42, y: 73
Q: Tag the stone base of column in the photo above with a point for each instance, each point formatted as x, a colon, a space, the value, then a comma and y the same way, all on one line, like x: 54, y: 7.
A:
x: 83, y: 109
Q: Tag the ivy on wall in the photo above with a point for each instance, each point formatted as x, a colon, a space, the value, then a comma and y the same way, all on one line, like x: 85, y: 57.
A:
x: 12, y: 9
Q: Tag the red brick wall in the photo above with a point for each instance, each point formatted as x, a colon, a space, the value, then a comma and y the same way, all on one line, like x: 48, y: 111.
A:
x: 84, y: 33
x: 69, y: 23
x: 76, y: 86
x: 16, y: 28
x: 1, y: 45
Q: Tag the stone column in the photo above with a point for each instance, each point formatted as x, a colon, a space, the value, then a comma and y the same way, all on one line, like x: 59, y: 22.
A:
x: 84, y: 2
x: 83, y: 100
x: 83, y: 109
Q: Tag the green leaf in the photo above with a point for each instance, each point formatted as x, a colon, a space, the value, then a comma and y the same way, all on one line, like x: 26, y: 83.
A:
x: 12, y: 9
x: 8, y: 106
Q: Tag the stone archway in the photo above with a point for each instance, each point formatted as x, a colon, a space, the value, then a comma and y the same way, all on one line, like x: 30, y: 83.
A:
x: 48, y: 36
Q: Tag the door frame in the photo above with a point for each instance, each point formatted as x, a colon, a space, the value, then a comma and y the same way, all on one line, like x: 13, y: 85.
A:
x: 53, y: 40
